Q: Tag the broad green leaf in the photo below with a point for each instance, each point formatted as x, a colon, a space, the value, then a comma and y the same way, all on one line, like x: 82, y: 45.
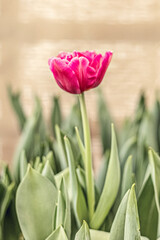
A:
x: 63, y: 211
x: 128, y: 148
x: 102, y: 172
x: 78, y: 199
x: 58, y: 234
x: 37, y: 162
x: 156, y: 117
x: 140, y: 164
x: 117, y: 229
x: 110, y: 188
x: 5, y: 175
x: 63, y: 174
x: 48, y: 172
x: 131, y: 127
x: 140, y: 109
x: 105, y: 121
x: 23, y: 165
x: 26, y: 140
x: 80, y: 143
x: 127, y: 178
x: 51, y: 160
x: 74, y: 119
x: 144, y: 238
x: 6, y: 200
x: 56, y: 116
x: 83, y: 233
x: 67, y: 218
x: 100, y: 235
x: 40, y: 167
x: 35, y: 203
x: 146, y: 137
x: 11, y: 229
x: 1, y: 231
x: 81, y: 177
x: 60, y: 212
x: 155, y: 173
x: 2, y: 192
x: 125, y: 132
x: 147, y: 209
x: 17, y: 107
x: 132, y: 226
x: 61, y: 147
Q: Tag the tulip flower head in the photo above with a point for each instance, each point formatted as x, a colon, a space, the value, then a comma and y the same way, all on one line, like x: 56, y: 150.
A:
x: 79, y: 71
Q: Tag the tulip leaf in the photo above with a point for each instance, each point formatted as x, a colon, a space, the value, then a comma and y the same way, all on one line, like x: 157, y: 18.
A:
x: 67, y: 218
x: 63, y: 211
x: 117, y: 229
x: 78, y: 199
x: 63, y: 174
x: 26, y: 139
x: 56, y: 116
x: 58, y: 234
x: 23, y: 164
x: 11, y: 229
x: 102, y: 172
x: 81, y: 177
x: 61, y: 147
x: 37, y: 162
x: 47, y: 172
x: 110, y: 188
x: 35, y: 203
x: 51, y: 160
x: 6, y: 176
x: 147, y: 209
x: 83, y: 233
x: 74, y: 119
x: 2, y: 192
x: 24, y: 143
x: 60, y: 212
x: 80, y: 143
x: 127, y: 178
x: 16, y: 104
x: 40, y: 167
x: 104, y: 123
x: 132, y: 226
x: 155, y: 173
x: 100, y: 235
x: 6, y: 200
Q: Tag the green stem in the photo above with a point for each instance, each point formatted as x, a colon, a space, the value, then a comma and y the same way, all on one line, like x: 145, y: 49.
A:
x: 87, y: 157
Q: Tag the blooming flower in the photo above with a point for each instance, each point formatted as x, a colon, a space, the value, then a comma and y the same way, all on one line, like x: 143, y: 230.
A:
x: 79, y: 71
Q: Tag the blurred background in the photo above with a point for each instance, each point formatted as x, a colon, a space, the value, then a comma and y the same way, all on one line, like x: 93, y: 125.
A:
x: 32, y: 31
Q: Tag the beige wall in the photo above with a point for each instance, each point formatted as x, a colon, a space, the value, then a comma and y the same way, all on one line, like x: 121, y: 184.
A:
x: 32, y: 31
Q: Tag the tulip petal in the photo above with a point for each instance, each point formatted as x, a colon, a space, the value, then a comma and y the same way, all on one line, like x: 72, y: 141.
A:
x: 62, y: 55
x: 90, y: 55
x: 79, y: 71
x: 64, y: 75
x: 104, y: 65
x: 79, y: 65
x: 96, y: 62
x: 85, y: 74
x: 65, y: 55
x: 91, y: 72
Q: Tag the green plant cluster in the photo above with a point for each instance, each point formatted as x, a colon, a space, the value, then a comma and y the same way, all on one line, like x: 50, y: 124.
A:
x: 44, y: 196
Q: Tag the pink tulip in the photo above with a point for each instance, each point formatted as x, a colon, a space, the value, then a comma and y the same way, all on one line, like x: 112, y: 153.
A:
x: 79, y: 71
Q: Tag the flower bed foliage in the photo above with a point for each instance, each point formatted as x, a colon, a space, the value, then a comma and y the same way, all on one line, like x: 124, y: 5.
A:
x: 51, y: 191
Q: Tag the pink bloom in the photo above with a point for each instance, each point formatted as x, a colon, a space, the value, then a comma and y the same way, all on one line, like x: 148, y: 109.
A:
x: 79, y: 71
